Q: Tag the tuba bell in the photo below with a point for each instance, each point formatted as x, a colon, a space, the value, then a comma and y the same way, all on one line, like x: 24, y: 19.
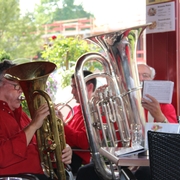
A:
x: 32, y: 78
x: 113, y: 107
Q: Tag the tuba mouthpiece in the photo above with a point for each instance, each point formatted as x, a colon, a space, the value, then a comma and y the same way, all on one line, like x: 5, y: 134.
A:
x: 22, y: 98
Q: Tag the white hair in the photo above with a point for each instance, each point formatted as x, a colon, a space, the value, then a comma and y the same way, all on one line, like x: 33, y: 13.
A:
x: 153, y: 72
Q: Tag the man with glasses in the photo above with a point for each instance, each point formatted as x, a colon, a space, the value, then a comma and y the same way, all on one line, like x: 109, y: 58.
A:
x: 159, y: 113
x: 18, y: 146
x: 154, y: 111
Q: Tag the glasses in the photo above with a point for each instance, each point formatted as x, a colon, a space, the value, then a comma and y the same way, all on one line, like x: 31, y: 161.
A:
x: 16, y: 86
x: 145, y: 75
x: 73, y: 86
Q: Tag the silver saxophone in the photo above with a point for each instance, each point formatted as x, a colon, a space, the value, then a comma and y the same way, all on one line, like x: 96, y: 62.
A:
x: 117, y: 104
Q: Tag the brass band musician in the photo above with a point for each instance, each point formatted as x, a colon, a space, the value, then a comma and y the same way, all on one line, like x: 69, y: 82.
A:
x: 18, y: 146
x: 164, y: 113
x: 75, y: 130
x: 155, y: 112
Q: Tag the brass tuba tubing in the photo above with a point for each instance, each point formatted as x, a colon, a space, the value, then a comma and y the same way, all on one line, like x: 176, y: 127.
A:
x: 119, y: 63
x: 57, y: 139
x: 63, y: 105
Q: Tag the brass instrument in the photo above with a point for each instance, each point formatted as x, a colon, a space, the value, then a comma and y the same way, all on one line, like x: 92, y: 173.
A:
x: 60, y: 106
x: 113, y: 107
x: 32, y: 78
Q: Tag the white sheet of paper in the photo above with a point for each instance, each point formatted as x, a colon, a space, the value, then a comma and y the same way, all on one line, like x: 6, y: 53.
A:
x: 162, y: 91
x: 127, y: 151
x: 161, y: 127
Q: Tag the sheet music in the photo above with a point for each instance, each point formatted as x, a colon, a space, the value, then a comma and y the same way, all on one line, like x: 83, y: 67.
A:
x: 127, y: 151
x: 161, y: 90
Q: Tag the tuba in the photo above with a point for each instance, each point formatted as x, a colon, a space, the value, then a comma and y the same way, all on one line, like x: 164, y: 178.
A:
x: 32, y: 78
x: 117, y: 104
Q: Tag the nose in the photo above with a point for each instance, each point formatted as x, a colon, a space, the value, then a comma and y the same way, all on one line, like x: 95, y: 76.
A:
x: 20, y: 90
x: 141, y: 78
x: 72, y: 91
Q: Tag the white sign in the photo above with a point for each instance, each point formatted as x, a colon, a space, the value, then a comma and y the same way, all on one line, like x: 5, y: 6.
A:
x: 162, y: 17
x: 160, y: 127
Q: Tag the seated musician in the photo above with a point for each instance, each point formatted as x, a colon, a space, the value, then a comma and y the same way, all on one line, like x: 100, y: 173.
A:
x: 154, y: 111
x: 88, y: 171
x: 18, y: 145
x: 75, y: 129
x: 164, y: 113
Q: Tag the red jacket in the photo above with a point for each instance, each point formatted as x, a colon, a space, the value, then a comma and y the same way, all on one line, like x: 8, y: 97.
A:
x: 76, y: 136
x: 169, y: 112
x: 15, y: 156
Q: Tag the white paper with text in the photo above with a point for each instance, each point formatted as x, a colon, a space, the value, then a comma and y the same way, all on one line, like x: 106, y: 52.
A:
x: 162, y: 91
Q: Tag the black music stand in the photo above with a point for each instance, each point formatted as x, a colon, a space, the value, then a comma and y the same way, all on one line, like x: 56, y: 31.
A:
x: 164, y: 155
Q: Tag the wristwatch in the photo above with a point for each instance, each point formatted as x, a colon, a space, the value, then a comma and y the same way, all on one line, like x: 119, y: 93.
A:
x: 165, y: 121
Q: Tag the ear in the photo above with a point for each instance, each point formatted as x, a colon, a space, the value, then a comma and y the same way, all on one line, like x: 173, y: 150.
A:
x: 90, y: 87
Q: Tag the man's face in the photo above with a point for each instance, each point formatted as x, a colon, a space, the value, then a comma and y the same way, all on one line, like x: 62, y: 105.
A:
x: 74, y: 90
x: 144, y: 73
x: 89, y: 89
x: 11, y: 92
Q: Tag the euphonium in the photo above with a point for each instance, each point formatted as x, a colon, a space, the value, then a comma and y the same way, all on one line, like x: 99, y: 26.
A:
x: 111, y: 110
x: 32, y: 78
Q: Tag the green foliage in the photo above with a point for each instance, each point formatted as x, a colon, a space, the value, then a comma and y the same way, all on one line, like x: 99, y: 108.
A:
x: 17, y: 33
x: 25, y: 108
x: 70, y: 11
x: 4, y: 55
x: 132, y: 39
x: 65, y: 51
x: 54, y: 10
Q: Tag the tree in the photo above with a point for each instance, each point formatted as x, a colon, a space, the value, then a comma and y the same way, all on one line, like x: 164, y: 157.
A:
x: 70, y: 11
x: 17, y: 33
x: 65, y: 51
x: 55, y: 10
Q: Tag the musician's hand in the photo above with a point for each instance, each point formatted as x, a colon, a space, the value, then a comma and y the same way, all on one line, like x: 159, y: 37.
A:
x: 153, y: 107
x: 40, y: 114
x: 58, y: 112
x: 67, y: 155
x: 36, y: 122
